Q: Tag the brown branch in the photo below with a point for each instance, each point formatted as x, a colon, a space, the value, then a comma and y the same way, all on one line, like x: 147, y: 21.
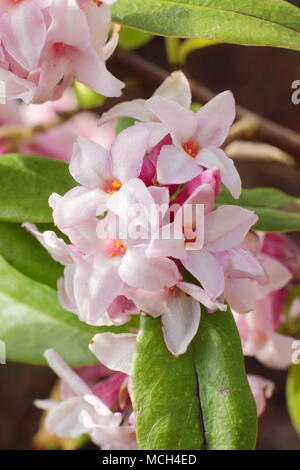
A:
x: 259, y: 128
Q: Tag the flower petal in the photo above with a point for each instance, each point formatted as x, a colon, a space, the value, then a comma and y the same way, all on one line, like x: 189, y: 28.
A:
x: 115, y: 351
x: 134, y: 109
x: 174, y: 166
x: 63, y: 420
x: 64, y: 372
x: 180, y: 322
x: 147, y: 273
x: 176, y: 88
x: 78, y: 205
x: 213, y: 157
x: 261, y: 389
x: 128, y: 152
x: 199, y: 294
x: 276, y: 352
x: 90, y: 163
x: 227, y: 226
x: 215, y: 118
x: 180, y: 122
x: 205, y: 267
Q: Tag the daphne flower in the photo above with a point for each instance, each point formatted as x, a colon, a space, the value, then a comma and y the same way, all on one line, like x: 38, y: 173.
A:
x: 101, y: 173
x: 196, y: 140
x: 41, y: 51
x: 180, y: 311
x: 224, y: 229
x: 258, y: 328
x: 73, y: 416
x: 97, y: 269
x: 68, y: 54
x: 175, y: 88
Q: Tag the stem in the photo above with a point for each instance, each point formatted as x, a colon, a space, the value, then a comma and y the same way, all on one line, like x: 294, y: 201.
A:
x: 172, y: 48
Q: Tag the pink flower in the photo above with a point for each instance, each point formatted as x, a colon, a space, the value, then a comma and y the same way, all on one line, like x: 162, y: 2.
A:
x: 258, y: 328
x: 179, y: 308
x: 101, y: 173
x: 224, y: 229
x: 262, y: 389
x: 83, y: 412
x: 41, y: 51
x: 97, y: 269
x: 175, y: 88
x: 196, y: 140
x: 70, y: 53
x: 282, y: 248
x: 189, y: 140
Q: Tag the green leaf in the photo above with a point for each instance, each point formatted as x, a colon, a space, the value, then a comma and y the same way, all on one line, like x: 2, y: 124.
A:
x: 130, y: 39
x: 32, y: 320
x: 293, y: 395
x: 22, y: 251
x: 199, y: 400
x: 277, y: 211
x: 124, y: 122
x: 255, y: 23
x: 26, y: 182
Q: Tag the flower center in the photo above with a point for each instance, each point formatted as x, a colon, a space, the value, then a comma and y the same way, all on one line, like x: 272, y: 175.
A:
x: 191, y: 148
x: 61, y: 47
x: 189, y: 235
x: 113, y: 187
x: 115, y: 248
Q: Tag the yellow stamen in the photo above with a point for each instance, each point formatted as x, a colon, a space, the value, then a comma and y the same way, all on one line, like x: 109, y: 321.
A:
x: 191, y: 148
x: 114, y: 187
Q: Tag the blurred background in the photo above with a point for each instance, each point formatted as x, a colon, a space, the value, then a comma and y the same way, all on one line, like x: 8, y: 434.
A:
x: 260, y: 79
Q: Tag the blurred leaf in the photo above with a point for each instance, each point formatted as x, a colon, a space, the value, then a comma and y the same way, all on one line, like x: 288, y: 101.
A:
x: 293, y: 395
x: 199, y: 400
x: 277, y: 211
x: 22, y: 251
x: 124, y: 122
x: 130, y: 39
x: 260, y: 23
x: 32, y: 320
x: 86, y: 97
x: 26, y: 182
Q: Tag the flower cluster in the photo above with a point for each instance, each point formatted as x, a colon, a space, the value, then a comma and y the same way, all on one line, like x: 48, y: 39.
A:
x: 149, y: 235
x: 41, y: 51
x: 110, y: 273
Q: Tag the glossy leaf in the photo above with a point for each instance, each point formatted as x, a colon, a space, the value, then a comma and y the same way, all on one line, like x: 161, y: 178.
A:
x: 200, y: 399
x: 257, y: 23
x: 130, y: 39
x: 22, y: 251
x: 277, y: 211
x: 26, y: 182
x: 32, y: 320
x: 293, y: 395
